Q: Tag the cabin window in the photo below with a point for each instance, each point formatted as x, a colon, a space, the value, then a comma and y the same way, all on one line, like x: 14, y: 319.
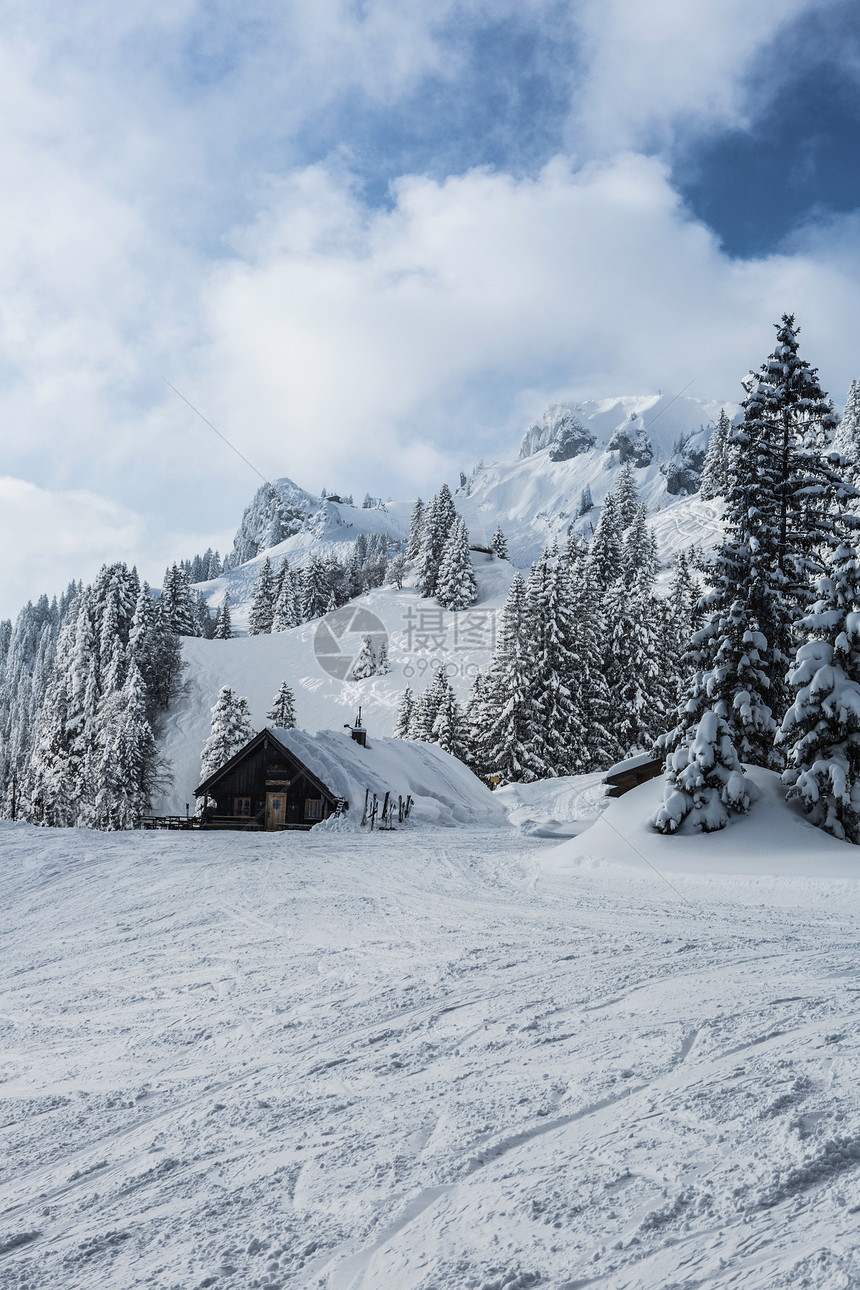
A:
x: 241, y: 806
x: 313, y: 808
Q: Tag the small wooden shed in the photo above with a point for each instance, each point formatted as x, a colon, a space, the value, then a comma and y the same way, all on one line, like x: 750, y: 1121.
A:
x: 628, y: 774
x: 266, y: 786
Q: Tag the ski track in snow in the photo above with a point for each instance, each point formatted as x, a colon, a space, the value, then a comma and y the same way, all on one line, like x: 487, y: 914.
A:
x: 418, y: 1061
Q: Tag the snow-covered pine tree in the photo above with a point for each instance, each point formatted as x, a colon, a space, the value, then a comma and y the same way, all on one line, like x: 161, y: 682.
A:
x: 456, y: 585
x: 498, y: 544
x: 316, y: 588
x: 637, y: 689
x: 553, y: 749
x: 785, y: 504
x: 282, y: 713
x: 262, y: 605
x: 178, y: 602
x: 716, y: 475
x: 396, y: 570
x: 404, y: 714
x: 439, y: 519
x: 383, y: 664
x: 506, y: 721
x: 799, y: 493
x: 821, y: 730
x: 230, y: 730
x: 586, y: 501
x: 626, y: 495
x: 704, y: 780
x: 287, y: 613
x: 639, y: 550
x: 606, y: 545
x: 448, y: 730
x: 593, y: 746
x: 223, y: 621
x: 846, y: 441
x: 416, y: 531
x: 127, y: 769
x: 365, y: 662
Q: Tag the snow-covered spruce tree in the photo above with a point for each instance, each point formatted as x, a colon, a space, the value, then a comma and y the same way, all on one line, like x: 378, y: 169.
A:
x: 555, y: 745
x: 262, y: 605
x: 704, y: 781
x: 506, y: 721
x: 439, y: 519
x: 396, y: 570
x: 317, y: 589
x: 456, y: 585
x: 230, y: 730
x: 127, y: 770
x: 498, y: 544
x: 286, y: 613
x: 404, y: 714
x: 586, y: 501
x: 282, y: 713
x: 785, y: 504
x: 448, y: 729
x: 821, y: 730
x: 798, y: 491
x: 593, y: 746
x: 223, y: 622
x: 607, y: 545
x: 626, y: 495
x: 178, y: 602
x: 716, y: 476
x: 383, y: 664
x: 365, y: 662
x: 416, y: 531
x: 846, y: 441
x: 637, y: 690
x: 639, y: 550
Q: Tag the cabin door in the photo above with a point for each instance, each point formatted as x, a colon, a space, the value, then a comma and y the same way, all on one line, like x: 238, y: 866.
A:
x: 276, y: 810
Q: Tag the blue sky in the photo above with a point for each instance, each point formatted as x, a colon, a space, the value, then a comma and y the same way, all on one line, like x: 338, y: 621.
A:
x: 371, y: 240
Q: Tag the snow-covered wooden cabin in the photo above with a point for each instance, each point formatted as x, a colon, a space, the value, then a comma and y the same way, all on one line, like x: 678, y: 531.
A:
x: 290, y: 779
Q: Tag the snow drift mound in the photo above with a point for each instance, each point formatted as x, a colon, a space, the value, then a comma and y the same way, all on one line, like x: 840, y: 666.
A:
x: 774, y: 840
x: 444, y: 791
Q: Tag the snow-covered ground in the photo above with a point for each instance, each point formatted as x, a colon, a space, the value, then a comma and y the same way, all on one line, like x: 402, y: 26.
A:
x: 432, y: 1060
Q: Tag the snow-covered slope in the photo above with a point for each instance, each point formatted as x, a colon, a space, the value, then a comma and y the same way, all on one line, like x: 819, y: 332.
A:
x: 418, y: 1059
x: 535, y: 498
x: 422, y: 638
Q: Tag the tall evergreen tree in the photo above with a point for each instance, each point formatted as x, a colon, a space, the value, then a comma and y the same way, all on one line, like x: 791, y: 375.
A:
x: 263, y: 603
x: 606, y: 545
x: 456, y: 584
x: 716, y: 471
x: 439, y: 519
x: 178, y: 602
x: 230, y: 730
x: 821, y: 730
x: 626, y: 495
x: 507, y: 720
x: 846, y: 441
x: 404, y: 714
x: 282, y: 713
x: 416, y: 531
x: 223, y: 622
x: 498, y: 544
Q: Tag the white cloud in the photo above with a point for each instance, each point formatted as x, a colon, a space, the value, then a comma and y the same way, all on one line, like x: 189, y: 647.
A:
x: 667, y: 70
x: 53, y: 537
x: 367, y: 340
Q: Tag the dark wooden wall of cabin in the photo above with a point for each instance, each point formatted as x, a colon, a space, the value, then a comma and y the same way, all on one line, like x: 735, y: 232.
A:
x: 251, y: 779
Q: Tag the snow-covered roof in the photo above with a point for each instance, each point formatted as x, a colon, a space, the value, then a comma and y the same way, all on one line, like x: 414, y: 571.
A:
x: 444, y: 791
x: 630, y: 763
